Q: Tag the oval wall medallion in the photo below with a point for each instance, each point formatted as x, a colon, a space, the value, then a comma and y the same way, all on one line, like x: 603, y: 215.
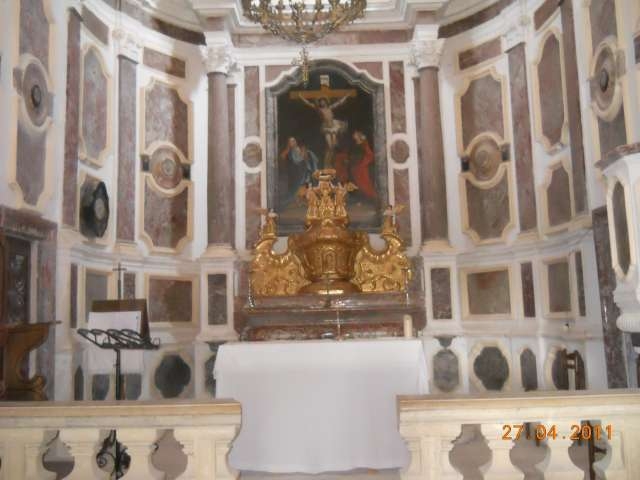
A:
x: 36, y: 93
x: 166, y: 168
x: 94, y: 208
x: 606, y: 92
x: 485, y: 158
x: 399, y: 151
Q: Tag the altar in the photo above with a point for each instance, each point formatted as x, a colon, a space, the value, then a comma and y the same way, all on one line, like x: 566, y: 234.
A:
x: 320, y: 406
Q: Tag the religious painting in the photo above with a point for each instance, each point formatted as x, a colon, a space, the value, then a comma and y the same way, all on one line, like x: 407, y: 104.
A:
x: 334, y: 121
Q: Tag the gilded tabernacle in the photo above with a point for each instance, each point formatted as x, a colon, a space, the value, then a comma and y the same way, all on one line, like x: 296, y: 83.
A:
x: 328, y: 258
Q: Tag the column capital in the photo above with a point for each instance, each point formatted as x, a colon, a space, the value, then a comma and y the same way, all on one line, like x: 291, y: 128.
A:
x: 126, y: 44
x: 426, y: 53
x: 218, y: 58
x: 516, y: 33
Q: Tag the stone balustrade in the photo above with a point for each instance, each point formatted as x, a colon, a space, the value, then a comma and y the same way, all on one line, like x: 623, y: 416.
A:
x: 441, y: 448
x: 202, y: 434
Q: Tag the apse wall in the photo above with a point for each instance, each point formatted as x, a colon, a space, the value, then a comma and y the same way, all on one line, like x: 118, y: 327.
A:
x: 515, y: 248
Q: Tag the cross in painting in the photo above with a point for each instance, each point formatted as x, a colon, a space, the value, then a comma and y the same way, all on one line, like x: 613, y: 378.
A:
x: 322, y: 101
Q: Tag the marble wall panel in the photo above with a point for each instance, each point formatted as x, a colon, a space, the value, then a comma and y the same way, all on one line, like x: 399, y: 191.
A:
x: 488, y: 209
x: 492, y: 368
x: 172, y: 376
x: 31, y: 158
x: 34, y: 30
x: 252, y: 101
x: 521, y: 123
x: 373, y: 68
x: 481, y: 109
x: 336, y: 38
x: 480, y: 53
x: 396, y: 89
x: 574, y: 110
x: 528, y: 293
x: 614, y: 341
x: 217, y: 290
x: 95, y: 89
x: 559, y: 371
x: 441, y: 293
x: 253, y: 204
x: 231, y: 103
x: 602, y: 16
x: 559, y: 198
x: 416, y: 94
x: 559, y: 287
x: 551, y: 91
x: 127, y: 81
x: 73, y: 296
x: 636, y: 46
x: 528, y: 370
x: 166, y: 117
x: 96, y: 26
x: 446, y: 371
x: 488, y: 292
x: 621, y: 227
x: 170, y: 300
x: 96, y: 287
x: 72, y: 119
x: 78, y: 384
x: 403, y: 197
x: 612, y: 134
x: 164, y: 63
x: 271, y: 72
x: 544, y: 13
x: 129, y: 286
x: 582, y: 306
x: 166, y: 219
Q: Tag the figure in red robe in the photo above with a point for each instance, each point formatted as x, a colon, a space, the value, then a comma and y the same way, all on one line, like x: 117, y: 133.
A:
x: 359, y: 166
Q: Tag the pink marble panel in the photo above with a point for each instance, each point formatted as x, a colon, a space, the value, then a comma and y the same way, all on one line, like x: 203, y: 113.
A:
x: 166, y: 117
x: 612, y: 134
x: 252, y: 101
x: 602, y: 16
x: 164, y: 63
x: 489, y: 293
x: 127, y: 102
x: 480, y: 53
x: 72, y: 120
x: 165, y: 219
x: 373, y: 68
x: 96, y: 26
x: 481, y: 108
x: 94, y: 105
x: 253, y: 204
x: 544, y: 12
x: 396, y: 88
x: 273, y: 71
x: 403, y: 197
x: 170, y: 300
x: 129, y: 285
x: 488, y: 209
x: 34, y: 30
x: 30, y: 169
x: 551, y: 90
x: 558, y: 198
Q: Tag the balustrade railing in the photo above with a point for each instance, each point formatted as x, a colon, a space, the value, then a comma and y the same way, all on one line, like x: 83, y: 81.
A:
x: 30, y: 432
x: 563, y: 435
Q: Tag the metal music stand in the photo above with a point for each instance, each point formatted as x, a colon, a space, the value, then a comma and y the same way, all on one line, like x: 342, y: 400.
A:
x: 118, y: 340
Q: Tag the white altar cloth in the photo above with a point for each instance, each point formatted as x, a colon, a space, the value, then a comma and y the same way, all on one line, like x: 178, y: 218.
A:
x: 319, y: 406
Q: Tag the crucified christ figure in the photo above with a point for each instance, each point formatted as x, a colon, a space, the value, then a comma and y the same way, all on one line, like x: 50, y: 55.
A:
x: 331, y: 126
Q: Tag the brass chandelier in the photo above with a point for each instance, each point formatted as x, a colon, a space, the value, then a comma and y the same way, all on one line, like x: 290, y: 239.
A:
x: 303, y: 21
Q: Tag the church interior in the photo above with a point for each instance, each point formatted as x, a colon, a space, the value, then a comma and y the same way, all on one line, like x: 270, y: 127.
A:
x: 267, y: 238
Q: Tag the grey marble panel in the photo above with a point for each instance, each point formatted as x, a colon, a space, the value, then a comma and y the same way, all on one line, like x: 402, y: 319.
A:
x: 491, y: 368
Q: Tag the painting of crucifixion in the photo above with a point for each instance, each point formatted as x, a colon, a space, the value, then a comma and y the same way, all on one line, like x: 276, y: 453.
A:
x: 330, y: 123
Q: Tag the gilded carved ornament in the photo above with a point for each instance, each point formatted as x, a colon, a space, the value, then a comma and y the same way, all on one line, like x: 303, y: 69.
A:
x: 328, y: 257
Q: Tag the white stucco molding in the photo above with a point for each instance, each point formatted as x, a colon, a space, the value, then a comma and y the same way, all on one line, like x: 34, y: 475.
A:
x: 127, y: 44
x: 217, y: 55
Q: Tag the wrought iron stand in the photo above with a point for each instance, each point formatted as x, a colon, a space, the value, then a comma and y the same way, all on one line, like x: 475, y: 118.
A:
x: 117, y: 340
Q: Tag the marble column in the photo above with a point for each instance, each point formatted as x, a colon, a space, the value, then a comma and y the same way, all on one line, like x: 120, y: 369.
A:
x: 129, y: 52
x: 433, y: 191
x: 220, y: 179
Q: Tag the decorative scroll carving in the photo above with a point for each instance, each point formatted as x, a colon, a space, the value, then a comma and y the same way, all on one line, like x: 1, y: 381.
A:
x: 328, y: 258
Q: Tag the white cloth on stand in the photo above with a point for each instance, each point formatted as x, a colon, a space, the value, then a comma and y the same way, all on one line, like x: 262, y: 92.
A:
x: 319, y: 406
x: 102, y: 361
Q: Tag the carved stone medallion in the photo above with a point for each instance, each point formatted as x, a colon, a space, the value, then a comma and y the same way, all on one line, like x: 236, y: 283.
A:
x: 485, y: 159
x: 166, y: 168
x: 36, y: 93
